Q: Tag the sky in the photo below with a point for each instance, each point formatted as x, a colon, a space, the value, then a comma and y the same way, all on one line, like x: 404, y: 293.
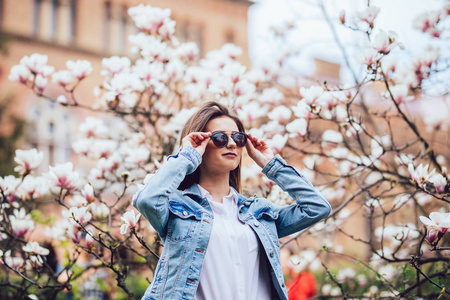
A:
x: 314, y: 38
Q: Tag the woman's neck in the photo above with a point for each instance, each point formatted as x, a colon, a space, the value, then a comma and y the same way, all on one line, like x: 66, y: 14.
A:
x: 218, y: 185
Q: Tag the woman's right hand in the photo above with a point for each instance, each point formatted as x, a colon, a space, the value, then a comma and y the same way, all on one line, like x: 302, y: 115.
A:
x: 197, y: 140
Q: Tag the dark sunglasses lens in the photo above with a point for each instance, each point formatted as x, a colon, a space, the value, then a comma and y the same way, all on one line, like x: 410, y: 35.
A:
x: 240, y: 139
x: 220, y: 139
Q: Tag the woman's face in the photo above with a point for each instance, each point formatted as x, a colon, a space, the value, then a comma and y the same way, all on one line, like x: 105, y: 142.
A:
x: 221, y: 159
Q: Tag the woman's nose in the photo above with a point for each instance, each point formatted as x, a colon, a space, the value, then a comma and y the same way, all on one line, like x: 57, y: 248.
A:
x: 231, y: 143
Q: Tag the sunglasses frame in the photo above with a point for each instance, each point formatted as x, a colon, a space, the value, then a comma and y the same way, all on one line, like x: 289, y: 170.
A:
x: 228, y: 138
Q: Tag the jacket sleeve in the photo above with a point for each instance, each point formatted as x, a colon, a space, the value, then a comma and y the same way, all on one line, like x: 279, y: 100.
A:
x: 310, y: 208
x: 152, y: 200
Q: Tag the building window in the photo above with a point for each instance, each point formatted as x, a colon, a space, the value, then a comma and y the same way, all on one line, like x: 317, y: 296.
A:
x: 106, y: 25
x: 36, y: 16
x: 187, y: 32
x: 229, y: 36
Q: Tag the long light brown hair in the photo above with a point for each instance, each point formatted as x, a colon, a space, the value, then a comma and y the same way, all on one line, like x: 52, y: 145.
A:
x: 197, y: 123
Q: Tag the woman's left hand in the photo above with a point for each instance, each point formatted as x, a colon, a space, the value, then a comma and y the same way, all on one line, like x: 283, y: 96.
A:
x: 259, y: 151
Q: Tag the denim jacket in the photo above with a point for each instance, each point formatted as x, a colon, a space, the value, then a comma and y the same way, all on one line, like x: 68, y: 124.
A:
x: 183, y: 220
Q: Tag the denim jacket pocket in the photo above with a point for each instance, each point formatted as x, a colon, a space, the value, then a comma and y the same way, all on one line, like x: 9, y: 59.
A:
x: 182, y: 221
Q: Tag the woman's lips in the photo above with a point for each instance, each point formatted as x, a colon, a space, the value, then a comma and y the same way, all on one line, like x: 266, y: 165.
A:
x: 229, y: 154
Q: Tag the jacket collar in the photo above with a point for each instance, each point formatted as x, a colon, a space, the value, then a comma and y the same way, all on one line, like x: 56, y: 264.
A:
x: 194, y: 193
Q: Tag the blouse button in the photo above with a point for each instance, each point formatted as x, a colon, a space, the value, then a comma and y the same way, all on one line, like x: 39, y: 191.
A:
x: 184, y: 213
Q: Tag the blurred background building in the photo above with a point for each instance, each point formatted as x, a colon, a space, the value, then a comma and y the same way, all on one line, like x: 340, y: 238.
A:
x: 90, y: 29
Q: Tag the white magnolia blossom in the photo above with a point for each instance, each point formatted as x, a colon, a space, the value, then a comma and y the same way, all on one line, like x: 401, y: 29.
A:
x: 281, y: 114
x: 437, y: 225
x: 369, y: 57
x: 278, y: 142
x: 384, y: 42
x: 332, y: 136
x: 88, y: 192
x: 28, y: 160
x: 298, y: 127
x: 21, y: 74
x: 187, y: 51
x: 138, y: 155
x: 57, y: 232
x: 32, y: 187
x: 130, y: 220
x: 93, y: 128
x: 302, y: 110
x: 271, y: 96
x: 440, y: 183
x: 77, y: 201
x: 8, y: 184
x: 80, y: 68
x: 37, y: 64
x: 100, y: 210
x: 122, y: 84
x: 399, y: 93
x: 79, y: 214
x: 40, y: 83
x: 368, y: 15
x: 21, y: 222
x: 252, y: 111
x: 231, y: 50
x: 62, y: 176
x: 420, y: 175
x: 35, y: 248
x: 153, y: 20
x: 115, y: 65
x: 311, y: 94
x: 63, y: 77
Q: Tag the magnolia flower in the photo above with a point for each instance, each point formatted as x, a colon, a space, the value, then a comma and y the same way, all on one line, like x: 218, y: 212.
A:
x: 36, y: 63
x: 93, y: 127
x: 130, y: 220
x: 8, y: 184
x: 20, y: 73
x: 79, y: 214
x: 252, y: 111
x: 298, y: 127
x: 35, y: 248
x: 122, y: 84
x: 41, y: 83
x: 153, y: 20
x: 137, y: 155
x: 61, y: 99
x: 58, y: 231
x: 271, y: 95
x: 100, y: 211
x: 80, y: 68
x: 302, y: 110
x: 440, y: 183
x: 234, y: 71
x: 420, y: 175
x: 369, y: 57
x: 21, y: 222
x: 74, y: 234
x: 342, y: 16
x: 281, y: 114
x: 61, y: 175
x: 368, y: 15
x: 331, y: 136
x: 115, y: 65
x: 231, y: 50
x: 384, y: 43
x: 399, y: 93
x: 187, y: 51
x: 88, y: 192
x: 310, y: 95
x: 278, y: 142
x: 27, y: 160
x: 32, y: 187
x: 77, y: 201
x: 12, y: 261
x: 437, y: 225
x: 63, y: 78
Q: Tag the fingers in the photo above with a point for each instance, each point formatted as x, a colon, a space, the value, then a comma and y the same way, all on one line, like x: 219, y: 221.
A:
x: 256, y: 142
x: 197, y: 138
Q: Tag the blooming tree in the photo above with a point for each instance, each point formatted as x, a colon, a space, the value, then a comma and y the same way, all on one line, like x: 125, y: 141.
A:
x: 370, y: 161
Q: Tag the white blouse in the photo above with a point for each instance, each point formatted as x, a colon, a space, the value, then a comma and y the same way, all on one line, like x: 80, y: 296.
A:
x: 234, y: 266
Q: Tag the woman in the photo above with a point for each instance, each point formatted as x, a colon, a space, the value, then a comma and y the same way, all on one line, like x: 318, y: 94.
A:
x: 217, y: 243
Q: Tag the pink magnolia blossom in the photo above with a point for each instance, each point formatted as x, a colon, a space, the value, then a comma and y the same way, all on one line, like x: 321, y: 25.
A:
x: 21, y: 222
x: 62, y: 100
x: 79, y: 214
x: 63, y: 77
x: 231, y: 50
x: 298, y: 127
x: 420, y: 175
x: 278, y: 142
x: 437, y: 225
x: 370, y: 57
x: 32, y: 187
x: 271, y: 95
x: 36, y: 63
x: 342, y: 16
x: 93, y: 128
x: 440, y: 183
x: 115, y: 65
x: 62, y: 175
x: 385, y: 42
x: 28, y: 160
x: 187, y: 51
x: 8, y: 184
x: 235, y: 71
x: 281, y: 114
x: 153, y: 20
x: 80, y: 68
x: 20, y: 73
x: 311, y: 94
x: 138, y: 155
x: 35, y: 248
x: 302, y: 110
x: 130, y: 220
x: 100, y: 211
x: 399, y: 93
x: 368, y: 15
x: 252, y: 111
x: 88, y: 192
x: 74, y: 234
x: 40, y: 83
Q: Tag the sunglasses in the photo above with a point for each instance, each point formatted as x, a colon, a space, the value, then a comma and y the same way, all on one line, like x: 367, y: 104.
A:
x: 220, y: 138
